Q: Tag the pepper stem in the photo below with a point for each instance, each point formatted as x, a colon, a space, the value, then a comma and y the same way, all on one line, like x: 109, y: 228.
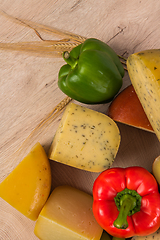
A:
x: 128, y: 202
x: 69, y: 60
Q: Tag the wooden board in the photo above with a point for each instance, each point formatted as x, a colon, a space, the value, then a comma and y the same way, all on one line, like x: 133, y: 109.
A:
x: 29, y: 92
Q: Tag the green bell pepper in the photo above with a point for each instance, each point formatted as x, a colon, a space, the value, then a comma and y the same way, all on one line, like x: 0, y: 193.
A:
x: 93, y: 73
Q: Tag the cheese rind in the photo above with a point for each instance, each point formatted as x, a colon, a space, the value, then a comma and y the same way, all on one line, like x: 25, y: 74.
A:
x: 28, y: 186
x: 144, y: 72
x: 67, y: 215
x: 85, y: 139
x: 126, y: 108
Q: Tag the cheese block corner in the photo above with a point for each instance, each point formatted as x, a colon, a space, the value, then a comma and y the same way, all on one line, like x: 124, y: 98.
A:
x: 85, y: 139
x: 144, y: 71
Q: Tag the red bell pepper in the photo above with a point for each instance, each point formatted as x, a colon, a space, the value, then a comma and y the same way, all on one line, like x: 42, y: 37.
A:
x: 127, y: 202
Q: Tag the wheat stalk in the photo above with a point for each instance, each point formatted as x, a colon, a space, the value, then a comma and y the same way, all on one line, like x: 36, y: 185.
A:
x: 39, y: 27
x: 39, y: 130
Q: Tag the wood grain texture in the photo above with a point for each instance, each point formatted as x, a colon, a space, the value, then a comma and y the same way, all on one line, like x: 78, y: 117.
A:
x: 29, y: 92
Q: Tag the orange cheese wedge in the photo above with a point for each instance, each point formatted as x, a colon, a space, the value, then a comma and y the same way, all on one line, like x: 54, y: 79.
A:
x: 28, y: 186
x: 126, y: 108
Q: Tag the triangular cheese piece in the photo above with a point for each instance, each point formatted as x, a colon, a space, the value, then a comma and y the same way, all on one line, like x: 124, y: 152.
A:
x: 28, y: 186
x: 126, y: 108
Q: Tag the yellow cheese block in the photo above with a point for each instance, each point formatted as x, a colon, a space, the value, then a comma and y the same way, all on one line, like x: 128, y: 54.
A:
x: 67, y: 215
x: 144, y: 72
x: 28, y: 186
x: 85, y: 139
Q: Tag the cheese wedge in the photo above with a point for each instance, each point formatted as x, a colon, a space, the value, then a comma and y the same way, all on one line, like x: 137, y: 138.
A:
x: 67, y: 215
x: 28, y: 186
x: 126, y: 108
x: 85, y: 139
x: 144, y: 72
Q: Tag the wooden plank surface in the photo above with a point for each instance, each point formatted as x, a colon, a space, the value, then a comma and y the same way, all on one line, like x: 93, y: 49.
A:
x: 29, y: 92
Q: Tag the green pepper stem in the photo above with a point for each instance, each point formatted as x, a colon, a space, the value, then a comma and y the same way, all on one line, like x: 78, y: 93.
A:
x: 127, y: 203
x: 69, y: 60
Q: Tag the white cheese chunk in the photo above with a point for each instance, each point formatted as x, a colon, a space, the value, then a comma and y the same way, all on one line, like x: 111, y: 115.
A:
x: 144, y: 72
x: 85, y: 139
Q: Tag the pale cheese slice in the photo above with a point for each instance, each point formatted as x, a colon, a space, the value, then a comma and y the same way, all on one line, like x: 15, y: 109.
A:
x: 67, y: 215
x: 85, y: 139
x: 144, y: 72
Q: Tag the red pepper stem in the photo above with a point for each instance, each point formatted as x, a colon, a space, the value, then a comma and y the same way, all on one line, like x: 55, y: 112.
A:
x: 127, y: 203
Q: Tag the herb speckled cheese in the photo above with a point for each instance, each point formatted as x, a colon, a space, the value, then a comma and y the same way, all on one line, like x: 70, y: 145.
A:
x: 144, y: 72
x: 85, y: 139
